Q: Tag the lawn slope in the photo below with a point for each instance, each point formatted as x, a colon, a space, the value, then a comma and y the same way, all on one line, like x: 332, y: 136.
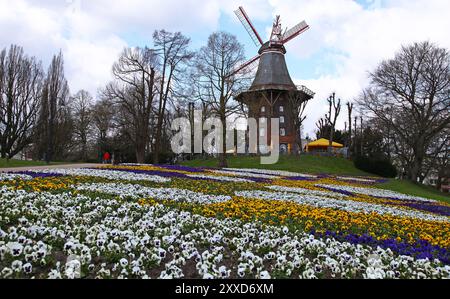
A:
x: 21, y: 163
x: 304, y: 164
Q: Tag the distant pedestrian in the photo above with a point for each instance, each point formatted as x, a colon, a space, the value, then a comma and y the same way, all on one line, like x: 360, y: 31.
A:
x: 106, y: 158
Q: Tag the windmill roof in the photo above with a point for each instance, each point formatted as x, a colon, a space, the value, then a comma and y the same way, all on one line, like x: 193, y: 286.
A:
x: 273, y: 73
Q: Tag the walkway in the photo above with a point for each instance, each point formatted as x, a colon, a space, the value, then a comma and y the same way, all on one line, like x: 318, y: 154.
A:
x: 17, y: 169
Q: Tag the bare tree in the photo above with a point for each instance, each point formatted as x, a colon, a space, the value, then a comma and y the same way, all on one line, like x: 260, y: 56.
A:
x: 134, y: 92
x: 103, y: 121
x: 350, y: 111
x: 437, y: 161
x: 411, y: 94
x: 82, y: 114
x: 322, y: 128
x: 331, y: 117
x: 54, y: 131
x: 20, y: 91
x: 173, y: 53
x: 297, y: 106
x: 214, y: 87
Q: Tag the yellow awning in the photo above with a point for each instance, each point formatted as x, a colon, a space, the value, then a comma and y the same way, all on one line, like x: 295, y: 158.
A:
x: 323, y: 143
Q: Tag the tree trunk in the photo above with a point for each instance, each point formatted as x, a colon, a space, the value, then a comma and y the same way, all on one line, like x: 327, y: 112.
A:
x: 330, y: 145
x: 350, y: 141
x: 439, y: 183
x: 140, y: 153
x: 156, y: 150
x: 223, y: 163
x: 298, y: 142
x: 416, y: 166
x: 415, y: 171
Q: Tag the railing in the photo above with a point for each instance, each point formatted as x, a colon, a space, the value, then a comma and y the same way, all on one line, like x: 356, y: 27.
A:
x: 306, y: 90
x: 299, y: 87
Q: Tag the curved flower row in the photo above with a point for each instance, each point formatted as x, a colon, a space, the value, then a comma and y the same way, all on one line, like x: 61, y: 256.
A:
x: 322, y: 220
x: 308, y: 192
x: 103, y: 238
x: 374, y: 192
x: 108, y: 174
x: 363, y: 180
x: 255, y: 175
x: 14, y: 176
x: 182, y: 174
x: 138, y: 191
x: 218, y: 178
x: 346, y: 205
x: 279, y: 173
x: 425, y: 205
x: 244, y: 174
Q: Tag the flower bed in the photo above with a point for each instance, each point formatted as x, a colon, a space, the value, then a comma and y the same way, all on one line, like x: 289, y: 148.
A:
x: 152, y: 221
x: 14, y: 176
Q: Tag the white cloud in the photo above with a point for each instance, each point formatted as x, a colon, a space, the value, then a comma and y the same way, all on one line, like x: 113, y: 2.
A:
x: 91, y: 34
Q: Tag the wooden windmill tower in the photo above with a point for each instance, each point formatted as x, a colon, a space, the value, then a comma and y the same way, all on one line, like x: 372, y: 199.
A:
x: 272, y: 91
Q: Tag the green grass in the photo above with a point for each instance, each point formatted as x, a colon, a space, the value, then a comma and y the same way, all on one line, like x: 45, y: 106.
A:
x: 410, y: 188
x: 324, y: 165
x: 19, y: 163
x: 304, y: 164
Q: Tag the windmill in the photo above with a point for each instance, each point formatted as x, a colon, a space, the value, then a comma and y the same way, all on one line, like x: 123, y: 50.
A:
x: 273, y: 93
x: 277, y: 39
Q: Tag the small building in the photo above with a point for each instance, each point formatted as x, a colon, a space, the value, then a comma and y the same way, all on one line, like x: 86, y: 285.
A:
x: 321, y: 146
x: 432, y: 180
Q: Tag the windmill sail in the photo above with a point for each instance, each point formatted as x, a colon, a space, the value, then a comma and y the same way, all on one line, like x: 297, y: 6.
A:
x: 245, y: 20
x: 295, y: 31
x: 248, y: 66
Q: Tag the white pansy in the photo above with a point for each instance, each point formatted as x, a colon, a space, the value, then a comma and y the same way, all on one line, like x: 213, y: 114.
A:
x: 264, y: 275
x: 14, y: 176
x: 306, y: 191
x: 245, y: 174
x: 107, y: 174
x: 271, y: 172
x: 346, y: 178
x: 219, y: 178
x: 138, y: 191
x: 174, y: 239
x: 375, y: 192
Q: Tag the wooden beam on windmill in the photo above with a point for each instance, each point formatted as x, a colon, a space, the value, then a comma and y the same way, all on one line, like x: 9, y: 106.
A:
x: 246, y: 67
x: 248, y: 25
x: 295, y: 31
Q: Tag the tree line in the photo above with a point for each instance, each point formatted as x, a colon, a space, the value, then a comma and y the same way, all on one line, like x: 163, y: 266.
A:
x: 131, y: 116
x: 404, y: 115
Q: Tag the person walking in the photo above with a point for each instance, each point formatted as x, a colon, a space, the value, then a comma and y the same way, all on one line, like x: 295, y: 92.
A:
x: 106, y: 158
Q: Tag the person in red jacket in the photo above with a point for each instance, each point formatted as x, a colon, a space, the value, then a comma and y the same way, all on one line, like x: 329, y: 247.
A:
x: 106, y: 158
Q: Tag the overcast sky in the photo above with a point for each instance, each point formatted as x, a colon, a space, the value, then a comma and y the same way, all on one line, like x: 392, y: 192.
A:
x: 346, y: 40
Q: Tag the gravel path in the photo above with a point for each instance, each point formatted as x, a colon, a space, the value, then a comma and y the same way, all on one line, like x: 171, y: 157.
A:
x: 16, y: 169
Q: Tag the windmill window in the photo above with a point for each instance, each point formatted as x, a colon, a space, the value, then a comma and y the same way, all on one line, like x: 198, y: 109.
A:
x: 281, y: 108
x: 262, y: 132
x: 282, y: 120
x: 283, y: 132
x: 263, y: 109
x: 263, y: 120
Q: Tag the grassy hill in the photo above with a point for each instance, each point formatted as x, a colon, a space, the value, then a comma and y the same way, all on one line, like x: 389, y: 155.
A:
x: 323, y: 165
x: 20, y: 163
x: 305, y: 164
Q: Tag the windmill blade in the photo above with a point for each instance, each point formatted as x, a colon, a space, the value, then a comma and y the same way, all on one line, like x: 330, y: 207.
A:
x: 248, y: 66
x: 245, y: 20
x: 295, y: 31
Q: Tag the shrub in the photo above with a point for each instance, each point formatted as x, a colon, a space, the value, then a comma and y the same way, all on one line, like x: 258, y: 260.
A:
x: 381, y: 167
x: 164, y: 158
